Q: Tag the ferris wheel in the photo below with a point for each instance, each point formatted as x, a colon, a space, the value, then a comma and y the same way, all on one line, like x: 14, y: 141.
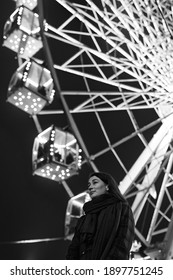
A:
x: 114, y: 62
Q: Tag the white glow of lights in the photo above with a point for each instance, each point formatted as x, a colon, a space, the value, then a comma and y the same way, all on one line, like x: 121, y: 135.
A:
x: 28, y: 3
x: 48, y: 83
x: 35, y: 84
x: 57, y: 168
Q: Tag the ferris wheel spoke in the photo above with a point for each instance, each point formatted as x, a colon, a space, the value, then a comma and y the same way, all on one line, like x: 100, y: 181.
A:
x: 127, y: 47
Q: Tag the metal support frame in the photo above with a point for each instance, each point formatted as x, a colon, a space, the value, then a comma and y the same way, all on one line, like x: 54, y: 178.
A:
x: 138, y: 43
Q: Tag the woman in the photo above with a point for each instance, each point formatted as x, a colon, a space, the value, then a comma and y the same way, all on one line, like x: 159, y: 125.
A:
x: 106, y: 231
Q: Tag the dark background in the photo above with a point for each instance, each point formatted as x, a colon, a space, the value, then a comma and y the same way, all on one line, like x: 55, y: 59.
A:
x: 30, y: 206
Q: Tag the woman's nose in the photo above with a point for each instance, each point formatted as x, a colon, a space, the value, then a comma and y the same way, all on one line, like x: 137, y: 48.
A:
x: 90, y: 187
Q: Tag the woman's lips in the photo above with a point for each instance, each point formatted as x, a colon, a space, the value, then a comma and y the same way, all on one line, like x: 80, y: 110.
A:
x: 91, y: 192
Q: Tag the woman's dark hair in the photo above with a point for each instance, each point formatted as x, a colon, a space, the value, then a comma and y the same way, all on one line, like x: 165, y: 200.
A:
x: 110, y: 182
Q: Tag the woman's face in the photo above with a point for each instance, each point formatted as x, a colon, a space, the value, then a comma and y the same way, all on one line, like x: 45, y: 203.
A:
x: 96, y: 187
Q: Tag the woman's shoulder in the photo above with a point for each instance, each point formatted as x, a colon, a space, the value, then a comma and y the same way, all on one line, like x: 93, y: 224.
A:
x: 80, y: 221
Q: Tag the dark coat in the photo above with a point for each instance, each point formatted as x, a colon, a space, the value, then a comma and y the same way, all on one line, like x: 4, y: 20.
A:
x: 115, y: 244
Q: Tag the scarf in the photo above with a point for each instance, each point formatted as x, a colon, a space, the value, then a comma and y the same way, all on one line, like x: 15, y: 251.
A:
x: 100, y: 224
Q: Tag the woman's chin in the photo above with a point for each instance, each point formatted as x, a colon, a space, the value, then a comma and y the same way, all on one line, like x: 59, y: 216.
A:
x: 93, y: 195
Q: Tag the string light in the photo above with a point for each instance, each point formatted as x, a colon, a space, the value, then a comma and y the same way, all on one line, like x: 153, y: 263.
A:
x: 22, y: 32
x: 59, y: 152
x: 31, y: 4
x: 31, y: 87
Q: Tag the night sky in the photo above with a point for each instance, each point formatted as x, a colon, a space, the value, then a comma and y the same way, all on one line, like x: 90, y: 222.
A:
x: 32, y: 207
